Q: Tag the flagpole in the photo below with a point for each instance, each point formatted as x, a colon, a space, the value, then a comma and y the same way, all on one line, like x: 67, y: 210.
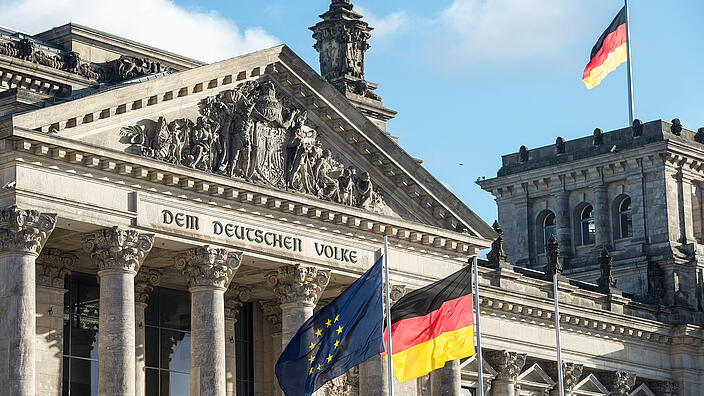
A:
x: 631, y: 109
x: 388, y: 317
x: 557, y: 336
x: 480, y: 368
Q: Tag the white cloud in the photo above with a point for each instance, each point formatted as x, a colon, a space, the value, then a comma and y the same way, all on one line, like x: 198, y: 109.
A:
x: 385, y: 27
x: 504, y: 31
x: 206, y: 36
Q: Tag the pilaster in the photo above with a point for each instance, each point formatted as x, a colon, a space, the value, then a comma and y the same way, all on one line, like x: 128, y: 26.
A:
x: 22, y: 236
x: 235, y: 297
x: 209, y: 271
x: 144, y: 283
x: 52, y: 266
x: 272, y: 313
x: 118, y: 254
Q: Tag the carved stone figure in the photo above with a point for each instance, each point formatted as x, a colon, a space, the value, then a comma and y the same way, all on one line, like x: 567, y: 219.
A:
x: 25, y: 49
x: 497, y: 256
x: 598, y: 137
x: 656, y: 288
x: 255, y: 134
x: 72, y: 61
x: 606, y: 281
x: 552, y: 253
x: 699, y: 136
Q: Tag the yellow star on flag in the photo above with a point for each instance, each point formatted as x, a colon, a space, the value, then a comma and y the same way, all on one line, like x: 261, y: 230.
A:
x: 339, y: 330
x: 328, y: 323
x: 311, y: 346
x: 311, y: 371
x: 318, y: 367
x: 311, y: 359
x: 337, y: 343
x: 318, y: 333
x: 337, y: 318
x: 329, y: 358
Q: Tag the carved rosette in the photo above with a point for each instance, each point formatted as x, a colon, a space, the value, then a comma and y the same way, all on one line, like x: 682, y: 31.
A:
x: 52, y: 266
x: 621, y: 382
x: 144, y: 283
x: 235, y: 296
x: 272, y: 313
x: 571, y: 373
x: 298, y: 284
x: 25, y: 231
x: 207, y: 266
x: 396, y: 292
x: 507, y: 364
x: 118, y: 250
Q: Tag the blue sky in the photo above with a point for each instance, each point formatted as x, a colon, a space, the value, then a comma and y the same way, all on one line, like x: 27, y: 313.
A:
x: 471, y: 79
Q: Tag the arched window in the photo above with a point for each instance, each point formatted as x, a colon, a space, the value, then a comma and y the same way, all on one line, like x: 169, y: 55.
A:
x: 625, y: 220
x: 588, y: 227
x: 549, y: 228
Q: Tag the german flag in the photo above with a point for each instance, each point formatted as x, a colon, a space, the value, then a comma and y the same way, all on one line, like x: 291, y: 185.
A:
x: 608, y: 52
x: 433, y: 325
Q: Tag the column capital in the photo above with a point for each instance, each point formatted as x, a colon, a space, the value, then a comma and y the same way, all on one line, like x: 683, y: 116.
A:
x: 207, y: 266
x: 298, y: 284
x: 665, y: 388
x: 620, y: 382
x: 571, y: 373
x: 507, y: 364
x: 115, y: 249
x: 52, y: 266
x: 144, y: 283
x: 272, y: 313
x: 235, y: 296
x: 25, y: 230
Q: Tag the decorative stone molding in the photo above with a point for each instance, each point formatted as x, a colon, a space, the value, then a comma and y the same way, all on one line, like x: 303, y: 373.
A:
x: 272, y: 313
x: 144, y: 282
x: 508, y: 365
x: 497, y: 256
x: 235, y: 296
x: 396, y: 292
x: 52, y: 266
x: 620, y: 382
x: 344, y: 385
x: 117, y: 249
x: 298, y: 284
x: 24, y: 231
x: 209, y: 267
x: 255, y: 134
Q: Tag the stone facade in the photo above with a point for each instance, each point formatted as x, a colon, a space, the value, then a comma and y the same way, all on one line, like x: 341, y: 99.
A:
x: 214, y: 208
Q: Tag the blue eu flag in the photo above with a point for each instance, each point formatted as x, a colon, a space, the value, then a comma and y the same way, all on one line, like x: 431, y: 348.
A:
x: 339, y: 336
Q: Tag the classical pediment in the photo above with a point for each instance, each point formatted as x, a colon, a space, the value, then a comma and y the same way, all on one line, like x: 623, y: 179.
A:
x: 265, y: 118
x: 590, y: 386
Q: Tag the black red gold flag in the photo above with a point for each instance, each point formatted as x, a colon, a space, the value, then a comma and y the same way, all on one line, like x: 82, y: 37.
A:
x: 433, y: 325
x: 608, y: 52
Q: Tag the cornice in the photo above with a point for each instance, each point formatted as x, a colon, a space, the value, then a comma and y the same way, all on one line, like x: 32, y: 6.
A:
x: 184, y: 183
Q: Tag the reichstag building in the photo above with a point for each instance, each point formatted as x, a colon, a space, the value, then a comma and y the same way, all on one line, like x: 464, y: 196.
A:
x: 167, y: 225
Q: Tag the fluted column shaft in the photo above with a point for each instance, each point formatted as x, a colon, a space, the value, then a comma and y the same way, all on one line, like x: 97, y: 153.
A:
x: 209, y: 271
x: 447, y: 381
x: 118, y: 255
x: 22, y: 236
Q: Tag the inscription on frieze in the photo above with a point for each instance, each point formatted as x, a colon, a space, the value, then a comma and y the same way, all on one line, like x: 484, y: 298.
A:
x: 256, y: 134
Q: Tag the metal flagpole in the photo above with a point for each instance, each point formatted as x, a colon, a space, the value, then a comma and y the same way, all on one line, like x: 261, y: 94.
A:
x: 557, y: 336
x: 388, y: 317
x: 631, y: 109
x: 480, y: 369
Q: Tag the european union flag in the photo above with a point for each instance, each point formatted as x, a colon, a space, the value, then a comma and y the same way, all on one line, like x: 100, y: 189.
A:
x: 339, y: 336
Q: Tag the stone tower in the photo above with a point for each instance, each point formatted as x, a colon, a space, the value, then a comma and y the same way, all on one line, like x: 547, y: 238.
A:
x: 342, y: 40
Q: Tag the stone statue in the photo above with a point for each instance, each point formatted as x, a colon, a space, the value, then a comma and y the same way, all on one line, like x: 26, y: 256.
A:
x: 253, y: 133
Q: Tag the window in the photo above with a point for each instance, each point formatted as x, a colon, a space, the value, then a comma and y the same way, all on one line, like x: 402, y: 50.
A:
x: 81, y: 303
x: 168, y: 342
x: 244, y: 350
x: 549, y: 229
x: 625, y: 219
x: 468, y: 391
x: 588, y: 227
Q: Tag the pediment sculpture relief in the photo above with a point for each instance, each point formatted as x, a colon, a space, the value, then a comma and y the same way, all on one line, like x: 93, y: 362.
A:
x: 255, y: 134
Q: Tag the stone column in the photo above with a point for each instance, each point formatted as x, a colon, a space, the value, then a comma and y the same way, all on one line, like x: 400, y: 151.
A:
x: 508, y: 366
x: 144, y: 283
x: 235, y: 296
x: 118, y: 255
x: 602, y: 235
x: 571, y: 374
x: 209, y: 272
x: 22, y: 236
x: 562, y: 220
x: 272, y: 313
x: 298, y: 289
x: 619, y: 383
x: 51, y: 268
x: 447, y: 381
